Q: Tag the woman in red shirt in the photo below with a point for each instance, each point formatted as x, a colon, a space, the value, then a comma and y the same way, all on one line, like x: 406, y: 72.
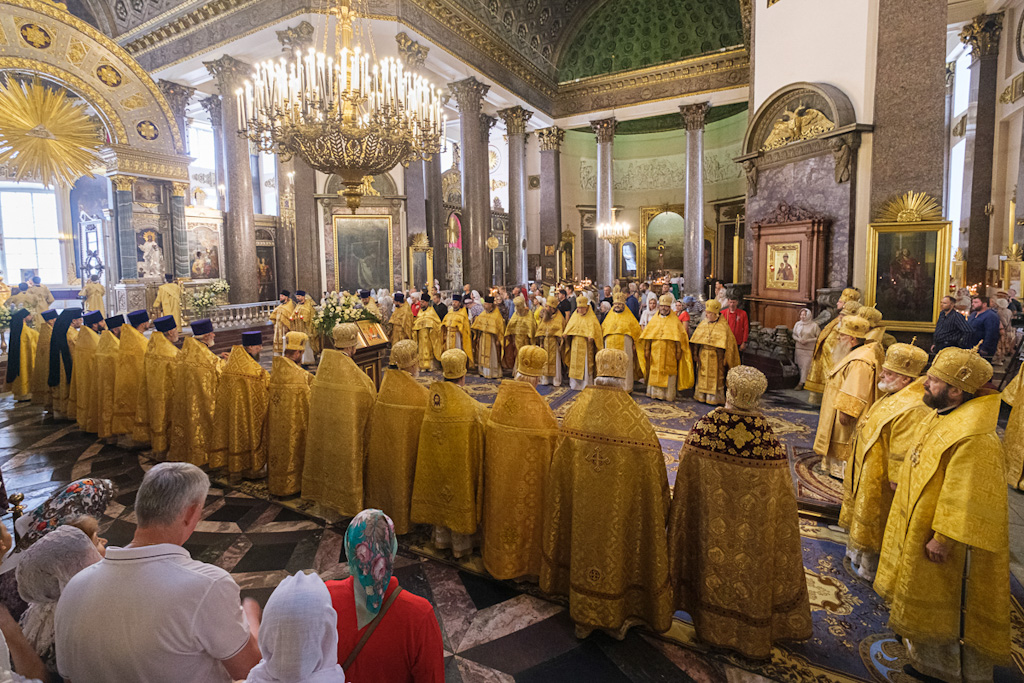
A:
x: 404, y: 642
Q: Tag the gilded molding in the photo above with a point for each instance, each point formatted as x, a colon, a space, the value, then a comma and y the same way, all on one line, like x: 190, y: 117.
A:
x: 550, y: 139
x: 411, y: 52
x: 468, y: 93
x: 694, y: 115
x: 299, y: 37
x: 128, y: 161
x: 179, y: 189
x: 981, y: 35
x: 604, y: 129
x: 229, y: 72
x: 123, y: 183
x: 515, y: 119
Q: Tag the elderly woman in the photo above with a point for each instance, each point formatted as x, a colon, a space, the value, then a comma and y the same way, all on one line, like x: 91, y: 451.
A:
x: 44, y: 570
x: 408, y: 647
x: 805, y: 334
x: 299, y: 635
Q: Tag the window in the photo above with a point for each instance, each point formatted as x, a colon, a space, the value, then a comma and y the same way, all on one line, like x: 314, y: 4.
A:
x: 202, y: 146
x: 28, y: 221
x: 956, y: 188
x: 268, y: 183
x: 962, y: 84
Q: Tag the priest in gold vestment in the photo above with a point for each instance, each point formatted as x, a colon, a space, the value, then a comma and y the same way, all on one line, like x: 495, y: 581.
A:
x: 583, y: 338
x: 948, y: 530
x: 106, y: 373
x: 339, y: 416
x: 455, y: 329
x: 665, y: 353
x: 717, y: 353
x: 426, y: 329
x: 21, y: 355
x: 287, y: 418
x: 83, y: 378
x: 488, y: 331
x: 850, y: 392
x: 519, y: 440
x: 1014, y: 437
x: 879, y: 448
x: 402, y: 322
x: 369, y: 304
x: 168, y: 299
x: 241, y: 409
x: 394, y: 436
x: 447, y: 491
x: 196, y: 374
x: 821, y: 359
x: 130, y: 355
x: 156, y: 389
x: 302, y: 321
x: 93, y: 293
x: 41, y: 394
x: 519, y: 332
x: 550, y: 326
x: 622, y: 331
x: 62, y: 353
x: 745, y: 590
x: 605, y: 511
x: 281, y: 319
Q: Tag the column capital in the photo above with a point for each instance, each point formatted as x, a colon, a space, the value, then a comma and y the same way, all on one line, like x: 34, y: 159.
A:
x: 179, y: 189
x: 515, y: 119
x: 469, y: 94
x: 981, y: 35
x: 550, y: 139
x: 123, y: 183
x: 299, y: 37
x: 950, y: 74
x: 411, y: 52
x: 213, y: 107
x: 486, y: 123
x: 177, y: 96
x: 694, y: 115
x: 604, y: 129
x: 229, y: 72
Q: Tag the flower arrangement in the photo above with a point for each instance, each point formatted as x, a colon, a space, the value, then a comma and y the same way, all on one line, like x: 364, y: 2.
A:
x: 218, y: 287
x: 339, y: 307
x: 204, y: 299
x: 5, y: 318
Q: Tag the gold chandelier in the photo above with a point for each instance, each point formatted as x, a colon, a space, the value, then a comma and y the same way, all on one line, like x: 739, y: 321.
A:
x: 339, y: 113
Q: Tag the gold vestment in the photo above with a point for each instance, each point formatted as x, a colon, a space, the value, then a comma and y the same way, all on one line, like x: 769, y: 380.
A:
x: 339, y: 415
x: 93, y: 293
x: 168, y: 300
x: 130, y: 355
x: 242, y: 400
x: 41, y: 393
x: 64, y: 403
x: 951, y: 486
x: 427, y: 331
x: 391, y: 448
x: 490, y: 330
x: 156, y: 393
x: 281, y: 318
x: 821, y: 359
x: 549, y: 338
x: 616, y: 327
x: 83, y: 380
x: 302, y: 317
x: 519, y: 439
x: 457, y: 322
x: 401, y: 322
x: 196, y: 373
x: 579, y: 329
x: 718, y: 352
x: 851, y: 389
x: 106, y: 372
x: 287, y: 421
x: 21, y: 387
x: 519, y: 332
x: 669, y: 346
x: 605, y: 511
x: 448, y: 487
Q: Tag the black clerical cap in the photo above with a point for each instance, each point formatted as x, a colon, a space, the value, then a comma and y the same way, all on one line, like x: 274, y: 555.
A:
x: 50, y: 314
x: 201, y: 327
x: 115, y: 321
x: 136, y: 318
x: 488, y: 299
x: 254, y: 338
x: 93, y: 317
x: 399, y: 297
x: 165, y: 323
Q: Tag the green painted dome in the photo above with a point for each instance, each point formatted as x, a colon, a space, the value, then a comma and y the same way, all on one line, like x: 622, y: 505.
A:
x: 647, y: 32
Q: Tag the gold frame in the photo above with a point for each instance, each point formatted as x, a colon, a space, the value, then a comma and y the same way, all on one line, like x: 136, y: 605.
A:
x: 1006, y: 277
x: 787, y: 247
x: 429, y: 251
x: 944, y: 231
x: 567, y: 237
x: 647, y: 214
x: 391, y: 247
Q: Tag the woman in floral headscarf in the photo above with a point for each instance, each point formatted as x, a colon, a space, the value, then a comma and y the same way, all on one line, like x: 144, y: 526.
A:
x: 385, y: 634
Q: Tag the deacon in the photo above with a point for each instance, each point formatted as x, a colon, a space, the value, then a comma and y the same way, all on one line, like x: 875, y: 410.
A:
x: 83, y: 377
x: 850, y: 391
x: 455, y: 328
x: 605, y: 511
x: 488, y: 330
x: 156, y: 388
x: 550, y: 326
x: 745, y: 590
x: 93, y: 293
x: 62, y: 351
x: 196, y: 374
x: 446, y: 491
x: 369, y: 304
x: 426, y: 331
x: 395, y: 435
x: 281, y: 319
x: 21, y: 355
x: 41, y: 394
x: 41, y: 293
x: 519, y: 439
x: 717, y: 353
x: 887, y: 431
x: 339, y: 415
x: 106, y: 372
x: 944, y: 568
x: 130, y: 355
x: 401, y: 321
x: 821, y: 360
x: 168, y: 299
x: 665, y: 348
x: 622, y: 331
x: 287, y: 418
x: 23, y: 299
x: 520, y: 331
x: 301, y: 320
x: 584, y: 338
x: 241, y: 409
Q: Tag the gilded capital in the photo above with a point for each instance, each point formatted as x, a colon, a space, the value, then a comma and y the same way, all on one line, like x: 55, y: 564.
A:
x: 604, y: 129
x: 982, y: 34
x: 694, y: 115
x: 229, y: 72
x: 179, y: 189
x: 123, y: 183
x: 213, y: 107
x: 950, y: 74
x: 486, y: 123
x: 296, y: 37
x: 469, y: 94
x: 515, y: 119
x: 550, y: 139
x: 177, y: 96
x: 411, y: 52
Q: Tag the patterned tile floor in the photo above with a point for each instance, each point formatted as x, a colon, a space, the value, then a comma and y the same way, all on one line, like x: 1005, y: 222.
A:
x: 492, y: 631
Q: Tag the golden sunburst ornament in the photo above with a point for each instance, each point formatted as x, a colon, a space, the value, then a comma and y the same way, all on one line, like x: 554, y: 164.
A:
x: 45, y: 134
x: 913, y: 207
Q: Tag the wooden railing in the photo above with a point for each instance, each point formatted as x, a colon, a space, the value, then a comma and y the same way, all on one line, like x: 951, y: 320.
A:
x: 242, y: 315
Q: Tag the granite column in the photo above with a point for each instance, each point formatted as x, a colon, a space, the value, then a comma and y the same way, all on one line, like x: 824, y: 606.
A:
x: 694, y: 117
x: 284, y: 245
x: 476, y: 217
x: 308, y: 277
x: 515, y: 126
x: 604, y: 129
x: 179, y: 232
x: 436, y: 224
x: 128, y: 259
x: 550, y: 140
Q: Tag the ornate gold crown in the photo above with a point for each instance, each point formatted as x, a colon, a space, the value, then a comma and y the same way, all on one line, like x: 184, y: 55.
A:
x: 552, y: 301
x: 961, y: 368
x: 666, y: 300
x: 612, y: 363
x: 581, y: 300
x: 713, y: 306
x: 453, y: 363
x: 618, y: 298
x: 345, y: 335
x: 404, y: 353
x: 871, y: 314
x: 533, y: 360
x: 745, y: 385
x: 906, y: 359
x: 295, y: 341
x: 854, y: 326
x: 851, y: 307
x: 849, y: 294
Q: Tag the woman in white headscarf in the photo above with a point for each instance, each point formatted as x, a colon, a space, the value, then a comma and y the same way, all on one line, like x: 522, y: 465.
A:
x: 299, y: 635
x: 475, y: 308
x: 805, y: 334
x: 386, y: 304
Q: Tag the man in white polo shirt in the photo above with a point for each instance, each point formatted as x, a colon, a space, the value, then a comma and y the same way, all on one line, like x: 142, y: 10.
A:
x: 149, y: 613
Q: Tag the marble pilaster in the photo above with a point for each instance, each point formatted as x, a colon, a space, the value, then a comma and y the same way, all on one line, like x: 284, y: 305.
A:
x: 307, y: 232
x: 178, y: 96
x: 515, y: 126
x: 694, y: 116
x: 240, y: 225
x: 476, y: 217
x: 550, y: 140
x: 179, y: 234
x: 128, y: 260
x: 604, y: 129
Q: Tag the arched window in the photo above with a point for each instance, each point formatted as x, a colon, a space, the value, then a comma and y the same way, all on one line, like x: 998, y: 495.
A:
x: 31, y: 232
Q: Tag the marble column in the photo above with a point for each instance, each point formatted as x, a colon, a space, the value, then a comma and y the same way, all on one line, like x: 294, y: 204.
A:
x: 212, y: 105
x: 436, y: 219
x: 308, y: 276
x: 128, y: 259
x: 178, y: 96
x: 486, y: 123
x: 982, y: 36
x: 415, y: 197
x: 240, y: 226
x: 476, y: 214
x: 604, y: 129
x: 694, y: 116
x: 550, y: 140
x: 515, y: 126
x: 179, y: 234
x: 948, y: 130
x: 284, y: 245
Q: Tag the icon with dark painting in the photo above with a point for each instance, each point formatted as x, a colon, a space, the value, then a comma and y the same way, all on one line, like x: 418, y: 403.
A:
x: 905, y: 275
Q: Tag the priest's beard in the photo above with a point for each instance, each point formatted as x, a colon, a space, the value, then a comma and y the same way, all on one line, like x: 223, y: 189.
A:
x: 546, y: 315
x: 840, y: 350
x: 939, y: 400
x: 890, y: 387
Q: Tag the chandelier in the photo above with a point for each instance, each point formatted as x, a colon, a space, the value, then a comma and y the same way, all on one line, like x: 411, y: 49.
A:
x: 342, y: 114
x: 613, y: 231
